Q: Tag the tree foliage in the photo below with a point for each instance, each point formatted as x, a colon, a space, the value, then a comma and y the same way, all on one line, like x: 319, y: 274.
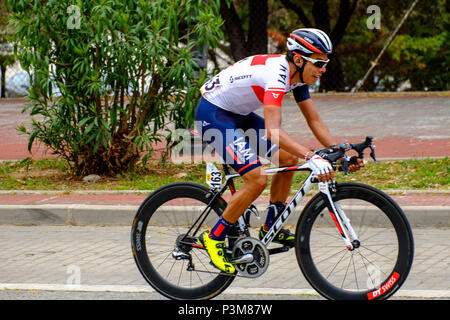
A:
x: 422, y: 50
x: 418, y: 58
x: 111, y: 77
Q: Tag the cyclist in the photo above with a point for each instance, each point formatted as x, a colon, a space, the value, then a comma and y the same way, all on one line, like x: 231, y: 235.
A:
x: 226, y: 109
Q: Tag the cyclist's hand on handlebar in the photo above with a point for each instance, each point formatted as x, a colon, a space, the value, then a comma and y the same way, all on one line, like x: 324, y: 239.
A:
x: 322, y: 168
x: 353, y: 167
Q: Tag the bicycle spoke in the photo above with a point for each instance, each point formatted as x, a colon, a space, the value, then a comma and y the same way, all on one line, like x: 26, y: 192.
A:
x: 329, y: 257
x: 376, y: 252
x: 170, y: 253
x: 181, y: 271
x: 336, y: 265
x: 354, y: 272
x: 330, y: 234
x: 346, y: 271
x: 171, y: 267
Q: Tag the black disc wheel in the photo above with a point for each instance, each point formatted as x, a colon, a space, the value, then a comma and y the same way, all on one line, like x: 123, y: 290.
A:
x: 381, y: 259
x: 164, y: 242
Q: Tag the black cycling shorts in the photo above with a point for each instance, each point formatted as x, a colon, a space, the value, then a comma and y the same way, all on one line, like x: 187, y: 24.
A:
x: 239, y: 139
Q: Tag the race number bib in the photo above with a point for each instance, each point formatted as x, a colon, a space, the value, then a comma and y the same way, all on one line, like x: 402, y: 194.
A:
x: 213, y: 176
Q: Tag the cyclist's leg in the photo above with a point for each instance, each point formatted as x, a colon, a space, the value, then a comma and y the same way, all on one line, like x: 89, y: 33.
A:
x: 281, y: 182
x: 224, y: 130
x: 238, y: 152
x: 214, y: 240
x: 279, y: 192
x: 220, y: 128
x: 254, y: 185
x: 281, y: 185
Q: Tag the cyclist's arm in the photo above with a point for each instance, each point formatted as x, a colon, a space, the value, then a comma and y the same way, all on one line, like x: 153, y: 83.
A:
x: 319, y: 128
x: 272, y: 118
x: 315, y: 123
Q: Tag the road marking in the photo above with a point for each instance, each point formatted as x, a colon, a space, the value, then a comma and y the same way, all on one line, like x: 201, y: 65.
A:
x: 230, y: 291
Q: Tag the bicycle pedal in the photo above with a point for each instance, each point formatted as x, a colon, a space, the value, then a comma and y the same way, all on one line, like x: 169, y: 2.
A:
x: 279, y: 250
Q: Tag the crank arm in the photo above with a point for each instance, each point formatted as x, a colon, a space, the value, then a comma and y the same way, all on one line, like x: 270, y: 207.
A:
x: 246, y: 258
x: 278, y: 250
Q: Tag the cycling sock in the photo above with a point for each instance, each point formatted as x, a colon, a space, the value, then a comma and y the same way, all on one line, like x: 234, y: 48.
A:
x: 272, y: 212
x: 220, y: 230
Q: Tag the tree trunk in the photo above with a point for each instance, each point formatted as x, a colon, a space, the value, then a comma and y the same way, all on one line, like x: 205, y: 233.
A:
x: 233, y: 28
x: 333, y: 79
x: 257, y: 39
x: 257, y: 33
x: 321, y: 16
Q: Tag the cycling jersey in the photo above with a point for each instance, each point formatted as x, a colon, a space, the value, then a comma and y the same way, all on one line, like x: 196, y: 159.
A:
x: 254, y: 81
x: 225, y: 117
x: 239, y: 140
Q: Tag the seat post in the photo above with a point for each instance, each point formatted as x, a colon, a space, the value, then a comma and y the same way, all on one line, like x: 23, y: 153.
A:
x: 226, y: 169
x: 229, y: 182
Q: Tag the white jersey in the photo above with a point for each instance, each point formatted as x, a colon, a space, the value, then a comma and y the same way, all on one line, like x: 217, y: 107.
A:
x: 250, y: 83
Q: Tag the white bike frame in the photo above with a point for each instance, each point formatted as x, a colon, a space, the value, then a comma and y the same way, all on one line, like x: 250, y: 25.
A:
x: 336, y: 212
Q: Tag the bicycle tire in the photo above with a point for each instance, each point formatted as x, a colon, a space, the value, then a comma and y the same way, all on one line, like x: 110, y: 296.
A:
x: 327, y: 268
x: 157, y: 228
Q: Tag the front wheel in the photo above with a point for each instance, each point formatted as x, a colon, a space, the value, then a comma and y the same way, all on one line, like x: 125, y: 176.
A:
x: 374, y: 270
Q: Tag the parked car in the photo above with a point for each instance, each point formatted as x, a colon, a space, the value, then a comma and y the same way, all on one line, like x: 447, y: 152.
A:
x: 18, y: 84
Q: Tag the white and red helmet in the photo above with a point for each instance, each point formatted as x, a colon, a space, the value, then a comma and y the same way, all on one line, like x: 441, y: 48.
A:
x: 307, y: 41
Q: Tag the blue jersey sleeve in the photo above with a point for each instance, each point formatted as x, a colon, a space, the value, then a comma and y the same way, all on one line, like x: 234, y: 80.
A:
x: 301, y: 93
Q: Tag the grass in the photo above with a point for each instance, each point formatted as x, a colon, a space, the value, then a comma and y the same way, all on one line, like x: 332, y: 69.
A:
x: 52, y: 174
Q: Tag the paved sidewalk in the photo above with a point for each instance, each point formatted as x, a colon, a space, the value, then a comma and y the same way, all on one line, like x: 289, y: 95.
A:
x: 51, y: 257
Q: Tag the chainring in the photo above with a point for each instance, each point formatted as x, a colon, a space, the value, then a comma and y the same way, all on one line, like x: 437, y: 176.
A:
x: 245, y: 247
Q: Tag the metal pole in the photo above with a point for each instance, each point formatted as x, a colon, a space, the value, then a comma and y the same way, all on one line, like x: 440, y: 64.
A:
x: 391, y: 38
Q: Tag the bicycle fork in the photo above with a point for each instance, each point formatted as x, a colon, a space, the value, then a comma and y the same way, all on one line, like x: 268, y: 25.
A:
x: 340, y: 219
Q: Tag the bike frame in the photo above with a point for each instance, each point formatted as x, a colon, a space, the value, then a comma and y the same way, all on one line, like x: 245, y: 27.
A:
x: 336, y: 211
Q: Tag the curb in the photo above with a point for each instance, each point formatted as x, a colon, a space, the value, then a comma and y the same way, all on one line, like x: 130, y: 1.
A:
x: 109, y: 215
x: 67, y: 214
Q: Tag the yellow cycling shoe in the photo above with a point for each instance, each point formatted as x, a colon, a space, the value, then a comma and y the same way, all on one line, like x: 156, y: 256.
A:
x: 216, y: 253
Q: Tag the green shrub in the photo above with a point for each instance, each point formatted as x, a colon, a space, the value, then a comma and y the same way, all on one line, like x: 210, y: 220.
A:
x: 110, y: 78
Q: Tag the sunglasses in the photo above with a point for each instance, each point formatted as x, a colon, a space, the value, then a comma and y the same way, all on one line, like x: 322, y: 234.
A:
x: 317, y: 63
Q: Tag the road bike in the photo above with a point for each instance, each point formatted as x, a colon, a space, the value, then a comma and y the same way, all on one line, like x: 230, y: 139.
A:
x: 352, y: 241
